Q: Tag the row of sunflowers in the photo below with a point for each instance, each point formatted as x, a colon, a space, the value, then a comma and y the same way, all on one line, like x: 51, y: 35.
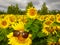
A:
x: 30, y: 29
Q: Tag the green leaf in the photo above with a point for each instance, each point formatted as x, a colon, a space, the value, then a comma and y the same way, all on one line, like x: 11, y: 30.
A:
x: 39, y: 41
x: 55, y: 39
x: 29, y: 23
x: 33, y: 35
x: 57, y: 23
x: 40, y: 35
x: 34, y: 29
x: 1, y: 37
x: 58, y: 34
x: 34, y: 26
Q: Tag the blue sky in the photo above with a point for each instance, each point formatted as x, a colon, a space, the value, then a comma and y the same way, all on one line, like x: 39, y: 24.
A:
x: 51, y: 4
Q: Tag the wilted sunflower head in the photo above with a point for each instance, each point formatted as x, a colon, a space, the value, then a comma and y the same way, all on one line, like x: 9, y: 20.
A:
x: 32, y: 12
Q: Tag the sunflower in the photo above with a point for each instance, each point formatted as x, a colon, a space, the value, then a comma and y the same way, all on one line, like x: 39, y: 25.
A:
x: 25, y: 19
x: 4, y: 23
x: 57, y: 28
x: 58, y: 19
x: 22, y: 18
x: 48, y: 22
x: 32, y: 13
x: 47, y: 17
x: 42, y: 17
x: 48, y: 30
x: 18, y: 26
x: 59, y: 40
x: 11, y: 18
x: 19, y: 41
x: 2, y: 16
x: 44, y: 30
x: 52, y: 18
x: 58, y: 15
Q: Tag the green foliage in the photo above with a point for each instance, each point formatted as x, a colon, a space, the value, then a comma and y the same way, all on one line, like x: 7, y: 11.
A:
x: 44, y: 9
x: 35, y: 27
x: 3, y: 36
x: 39, y: 41
x: 52, y: 38
x: 13, y: 9
x: 30, y: 4
x: 2, y: 12
x: 38, y: 12
x: 54, y: 12
x: 56, y: 23
x: 58, y: 34
x: 41, y: 35
x: 38, y: 37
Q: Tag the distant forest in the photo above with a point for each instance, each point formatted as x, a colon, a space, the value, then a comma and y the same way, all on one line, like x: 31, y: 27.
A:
x: 16, y: 10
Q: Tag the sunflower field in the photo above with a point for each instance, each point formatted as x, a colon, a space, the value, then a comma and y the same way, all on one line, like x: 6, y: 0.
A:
x: 30, y: 29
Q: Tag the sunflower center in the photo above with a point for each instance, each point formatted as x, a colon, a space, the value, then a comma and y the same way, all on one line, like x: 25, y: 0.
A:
x: 48, y: 22
x: 24, y: 20
x: 58, y: 19
x: 47, y: 28
x: 42, y: 18
x: 11, y: 19
x: 21, y: 39
x: 4, y: 23
x: 51, y: 30
x: 32, y: 12
x: 52, y: 19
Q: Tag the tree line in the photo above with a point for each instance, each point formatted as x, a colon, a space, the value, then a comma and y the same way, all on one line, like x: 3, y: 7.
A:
x: 43, y: 11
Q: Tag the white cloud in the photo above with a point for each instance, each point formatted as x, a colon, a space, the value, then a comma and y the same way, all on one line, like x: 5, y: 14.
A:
x: 51, y: 4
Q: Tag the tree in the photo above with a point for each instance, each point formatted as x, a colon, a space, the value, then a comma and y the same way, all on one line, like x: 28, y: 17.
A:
x: 30, y: 4
x: 13, y: 9
x: 54, y: 12
x: 38, y: 12
x: 16, y: 9
x: 2, y: 12
x: 44, y: 9
x: 58, y: 12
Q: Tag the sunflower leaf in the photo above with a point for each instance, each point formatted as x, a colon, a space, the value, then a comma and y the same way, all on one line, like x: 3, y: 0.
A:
x: 40, y: 35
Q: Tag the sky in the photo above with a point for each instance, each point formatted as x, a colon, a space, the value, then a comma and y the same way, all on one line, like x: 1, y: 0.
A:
x: 51, y: 4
